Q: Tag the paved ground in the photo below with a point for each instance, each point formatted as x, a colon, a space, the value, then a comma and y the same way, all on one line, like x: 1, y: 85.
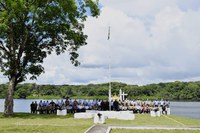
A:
x: 99, y: 128
x: 103, y: 128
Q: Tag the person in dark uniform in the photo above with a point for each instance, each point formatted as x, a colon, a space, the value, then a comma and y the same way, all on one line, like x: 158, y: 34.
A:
x: 103, y: 105
x: 52, y: 107
x: 75, y: 106
x: 35, y: 107
x: 164, y: 109
x: 116, y: 105
x: 32, y: 107
x: 107, y: 105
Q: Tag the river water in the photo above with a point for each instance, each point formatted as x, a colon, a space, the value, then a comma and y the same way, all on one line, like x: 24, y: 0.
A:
x: 185, y: 109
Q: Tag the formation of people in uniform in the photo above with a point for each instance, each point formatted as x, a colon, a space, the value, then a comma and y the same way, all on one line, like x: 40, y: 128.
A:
x: 74, y: 105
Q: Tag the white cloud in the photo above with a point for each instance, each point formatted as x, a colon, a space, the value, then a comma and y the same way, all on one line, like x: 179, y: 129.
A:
x: 150, y: 41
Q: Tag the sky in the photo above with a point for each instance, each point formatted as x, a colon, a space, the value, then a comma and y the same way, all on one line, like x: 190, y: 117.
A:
x: 151, y: 41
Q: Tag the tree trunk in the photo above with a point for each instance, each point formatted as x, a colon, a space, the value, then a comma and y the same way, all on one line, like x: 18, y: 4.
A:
x: 8, y: 108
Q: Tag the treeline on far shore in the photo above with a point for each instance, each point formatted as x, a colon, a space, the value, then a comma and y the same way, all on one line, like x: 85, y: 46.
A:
x: 175, y: 91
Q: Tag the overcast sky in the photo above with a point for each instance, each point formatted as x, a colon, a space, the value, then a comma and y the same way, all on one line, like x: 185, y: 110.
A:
x: 151, y: 41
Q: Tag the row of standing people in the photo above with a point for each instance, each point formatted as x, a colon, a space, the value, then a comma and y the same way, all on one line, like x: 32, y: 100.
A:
x: 144, y: 106
x: 137, y: 106
x: 72, y: 106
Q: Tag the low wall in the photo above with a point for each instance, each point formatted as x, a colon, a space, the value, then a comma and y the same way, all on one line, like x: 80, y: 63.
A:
x: 122, y: 115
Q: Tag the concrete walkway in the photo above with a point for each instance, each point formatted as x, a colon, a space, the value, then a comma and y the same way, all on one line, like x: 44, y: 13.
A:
x: 98, y: 128
x: 103, y: 128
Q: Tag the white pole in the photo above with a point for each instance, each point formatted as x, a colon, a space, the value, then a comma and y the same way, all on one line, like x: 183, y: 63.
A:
x: 120, y: 94
x: 110, y: 95
x: 123, y: 96
x: 109, y: 73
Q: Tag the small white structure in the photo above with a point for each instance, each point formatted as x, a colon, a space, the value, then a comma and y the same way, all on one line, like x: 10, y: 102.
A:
x: 62, y: 112
x: 99, y: 118
x: 84, y: 115
x: 122, y: 95
x: 121, y: 115
x: 155, y: 113
x: 168, y: 111
x: 126, y: 116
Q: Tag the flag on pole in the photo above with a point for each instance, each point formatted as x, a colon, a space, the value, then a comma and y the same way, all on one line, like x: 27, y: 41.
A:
x: 108, y: 32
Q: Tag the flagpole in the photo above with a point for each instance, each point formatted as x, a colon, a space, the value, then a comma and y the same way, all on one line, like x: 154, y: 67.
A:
x: 109, y: 93
x: 109, y: 88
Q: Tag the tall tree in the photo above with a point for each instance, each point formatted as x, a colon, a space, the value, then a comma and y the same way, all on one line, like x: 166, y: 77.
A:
x: 30, y: 30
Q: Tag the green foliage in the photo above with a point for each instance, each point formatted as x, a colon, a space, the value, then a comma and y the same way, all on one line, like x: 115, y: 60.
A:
x: 44, y: 97
x: 3, y: 88
x: 185, y: 91
x: 32, y: 29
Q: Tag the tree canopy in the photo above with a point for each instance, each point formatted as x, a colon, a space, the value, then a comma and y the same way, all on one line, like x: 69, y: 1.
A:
x: 30, y: 30
x: 176, y: 91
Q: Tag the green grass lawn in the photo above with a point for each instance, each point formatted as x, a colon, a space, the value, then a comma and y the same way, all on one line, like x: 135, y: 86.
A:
x: 33, y: 123
x: 153, y: 131
x: 147, y: 120
x: 163, y: 121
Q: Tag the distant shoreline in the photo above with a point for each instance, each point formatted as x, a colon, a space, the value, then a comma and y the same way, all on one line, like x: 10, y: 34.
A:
x: 172, y: 91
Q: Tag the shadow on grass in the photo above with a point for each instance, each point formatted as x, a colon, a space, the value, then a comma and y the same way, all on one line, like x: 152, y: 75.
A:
x: 35, y: 116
